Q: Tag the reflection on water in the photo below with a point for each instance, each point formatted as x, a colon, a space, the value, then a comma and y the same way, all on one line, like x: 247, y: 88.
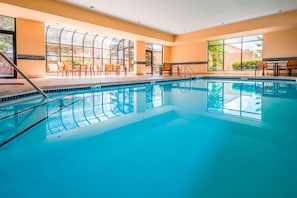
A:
x: 240, y: 99
x: 89, y: 108
x: 246, y: 99
x: 258, y: 100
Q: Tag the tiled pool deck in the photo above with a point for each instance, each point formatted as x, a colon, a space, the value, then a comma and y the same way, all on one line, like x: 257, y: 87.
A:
x: 12, y: 87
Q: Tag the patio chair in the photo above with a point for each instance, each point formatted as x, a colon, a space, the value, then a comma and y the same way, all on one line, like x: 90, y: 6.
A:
x: 70, y: 68
x: 166, y: 67
x: 108, y: 68
x: 60, y: 68
x: 292, y: 64
x: 262, y: 66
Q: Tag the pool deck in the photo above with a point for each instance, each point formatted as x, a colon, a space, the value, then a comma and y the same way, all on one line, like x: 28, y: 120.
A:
x: 12, y: 87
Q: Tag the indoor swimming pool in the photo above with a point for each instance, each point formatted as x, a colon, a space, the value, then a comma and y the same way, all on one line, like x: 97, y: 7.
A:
x: 205, y: 137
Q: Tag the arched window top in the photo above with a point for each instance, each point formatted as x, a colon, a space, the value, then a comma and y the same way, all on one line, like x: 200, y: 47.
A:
x: 78, y: 38
x: 98, y: 41
x: 88, y: 41
x: 53, y: 34
x: 114, y: 43
x: 66, y: 37
x: 107, y: 43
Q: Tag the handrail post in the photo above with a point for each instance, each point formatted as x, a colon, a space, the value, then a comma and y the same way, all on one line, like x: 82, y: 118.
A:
x: 24, y: 75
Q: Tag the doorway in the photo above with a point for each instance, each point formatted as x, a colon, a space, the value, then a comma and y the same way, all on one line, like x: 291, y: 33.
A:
x: 149, y: 61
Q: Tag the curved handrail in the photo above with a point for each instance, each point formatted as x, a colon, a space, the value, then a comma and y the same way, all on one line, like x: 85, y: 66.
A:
x: 186, y: 69
x: 24, y: 75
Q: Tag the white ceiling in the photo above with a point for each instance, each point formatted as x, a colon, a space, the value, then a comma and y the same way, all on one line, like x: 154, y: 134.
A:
x: 182, y: 16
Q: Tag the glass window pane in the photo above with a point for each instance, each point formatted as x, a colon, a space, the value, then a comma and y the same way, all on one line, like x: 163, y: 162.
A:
x: 77, y: 51
x: 7, y: 23
x: 78, y: 38
x: 157, y: 58
x: 66, y: 50
x: 53, y: 35
x: 107, y: 43
x: 106, y: 53
x: 97, y: 53
x: 149, y: 46
x: 88, y: 51
x: 252, y: 38
x: 66, y: 37
x: 98, y: 41
x: 88, y: 42
x: 215, y: 57
x: 251, y: 53
x: 216, y: 42
x: 232, y: 57
x: 6, y: 47
x: 158, y: 48
x: 232, y: 40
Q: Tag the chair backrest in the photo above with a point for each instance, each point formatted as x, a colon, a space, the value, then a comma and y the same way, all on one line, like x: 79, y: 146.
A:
x: 261, y: 65
x: 292, y: 64
x: 68, y: 65
x: 166, y: 67
x: 108, y: 67
x: 60, y: 66
x: 84, y: 67
x: 52, y: 67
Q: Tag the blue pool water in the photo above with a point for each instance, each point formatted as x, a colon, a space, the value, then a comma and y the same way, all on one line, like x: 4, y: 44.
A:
x: 181, y: 139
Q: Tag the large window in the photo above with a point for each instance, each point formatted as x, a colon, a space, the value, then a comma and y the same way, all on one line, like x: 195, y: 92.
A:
x: 63, y: 44
x: 7, y: 45
x: 235, y: 54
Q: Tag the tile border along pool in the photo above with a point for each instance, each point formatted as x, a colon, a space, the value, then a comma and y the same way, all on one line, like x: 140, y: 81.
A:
x: 12, y: 89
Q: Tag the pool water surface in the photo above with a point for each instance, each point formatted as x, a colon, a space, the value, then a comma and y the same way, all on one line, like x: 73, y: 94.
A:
x: 196, y: 138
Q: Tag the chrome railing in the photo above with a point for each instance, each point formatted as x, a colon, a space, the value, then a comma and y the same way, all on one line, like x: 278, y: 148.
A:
x: 186, y: 70
x: 23, y: 75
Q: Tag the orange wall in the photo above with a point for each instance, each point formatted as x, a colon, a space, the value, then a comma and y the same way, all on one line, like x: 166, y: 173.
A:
x: 275, y: 44
x: 280, y: 44
x: 139, y: 53
x: 30, y: 41
x: 279, y: 38
x: 190, y: 52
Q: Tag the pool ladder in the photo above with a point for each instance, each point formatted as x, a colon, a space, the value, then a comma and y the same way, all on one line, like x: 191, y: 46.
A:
x: 187, y: 70
x: 24, y: 75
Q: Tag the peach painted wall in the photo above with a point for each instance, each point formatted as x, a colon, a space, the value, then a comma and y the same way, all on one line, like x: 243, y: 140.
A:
x: 280, y: 44
x: 190, y: 52
x: 30, y: 41
x: 139, y: 54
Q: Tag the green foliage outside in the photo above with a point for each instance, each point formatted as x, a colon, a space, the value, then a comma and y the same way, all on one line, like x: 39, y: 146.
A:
x: 215, y: 55
x: 246, y: 65
x: 6, y: 23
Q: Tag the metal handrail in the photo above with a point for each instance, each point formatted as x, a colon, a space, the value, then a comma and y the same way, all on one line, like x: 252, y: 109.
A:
x: 23, y: 75
x: 186, y: 69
